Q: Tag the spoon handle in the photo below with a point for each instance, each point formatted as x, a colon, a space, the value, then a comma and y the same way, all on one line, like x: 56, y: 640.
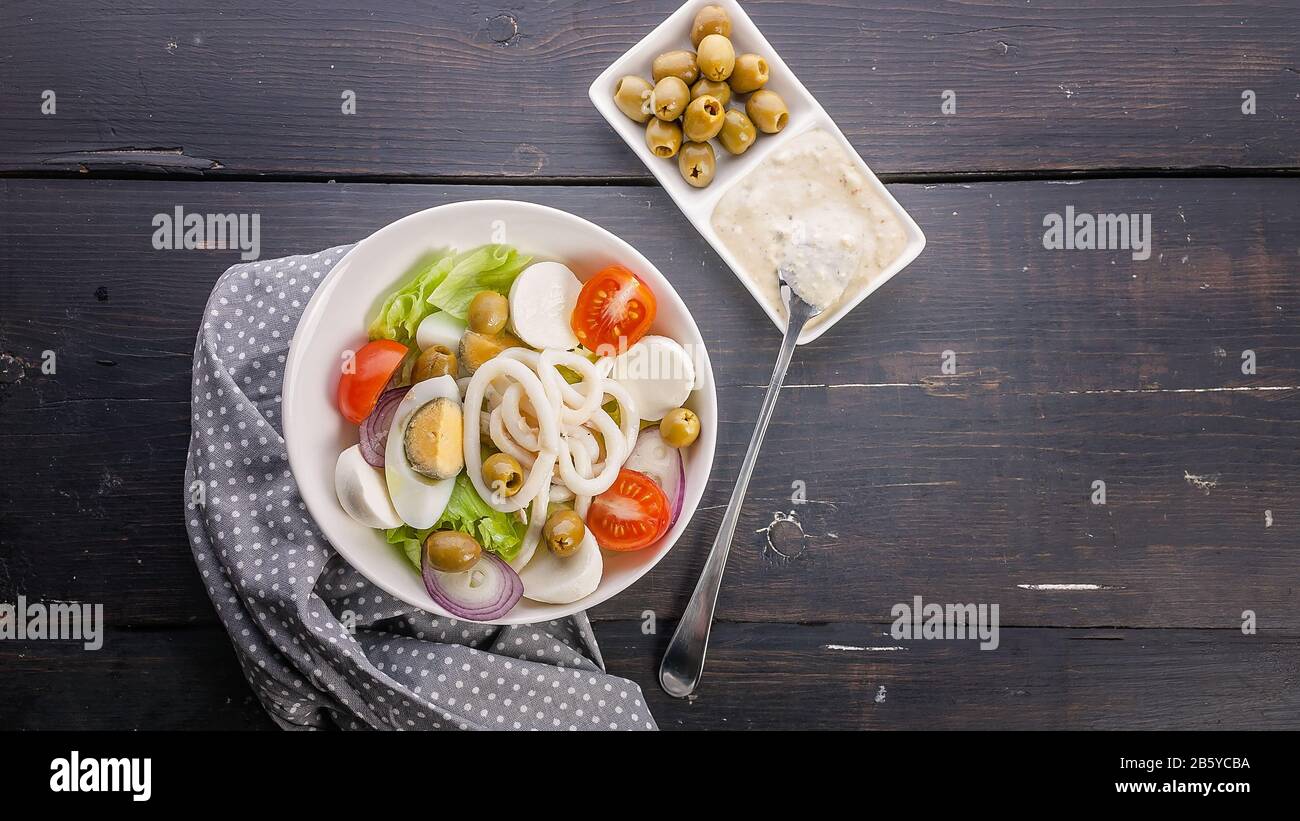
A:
x: 683, y: 663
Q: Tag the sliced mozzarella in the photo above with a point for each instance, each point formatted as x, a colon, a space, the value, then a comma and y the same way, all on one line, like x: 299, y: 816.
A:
x: 658, y: 374
x: 440, y: 328
x: 362, y: 491
x: 554, y: 580
x: 417, y: 499
x: 542, y: 300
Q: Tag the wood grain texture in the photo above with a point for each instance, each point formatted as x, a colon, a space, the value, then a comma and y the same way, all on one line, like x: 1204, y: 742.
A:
x: 972, y: 486
x: 827, y: 677
x: 1071, y: 367
x: 477, y: 90
x: 759, y: 676
x: 179, y: 679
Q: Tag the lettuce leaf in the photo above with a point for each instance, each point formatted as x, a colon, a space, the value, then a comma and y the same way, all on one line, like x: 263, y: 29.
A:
x: 409, y: 540
x: 501, y: 533
x: 611, y: 407
x: 406, y: 307
x: 486, y: 268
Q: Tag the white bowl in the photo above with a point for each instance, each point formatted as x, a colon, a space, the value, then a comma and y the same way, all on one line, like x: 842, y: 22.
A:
x: 335, y: 320
x: 698, y: 203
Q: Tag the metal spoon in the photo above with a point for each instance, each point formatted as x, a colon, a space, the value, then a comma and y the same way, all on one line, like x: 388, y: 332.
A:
x: 683, y: 663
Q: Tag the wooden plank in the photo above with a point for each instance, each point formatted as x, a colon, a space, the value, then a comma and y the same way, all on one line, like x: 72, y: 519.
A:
x: 467, y: 90
x: 759, y: 676
x: 174, y: 679
x: 990, y: 502
x: 826, y: 677
x: 1071, y: 367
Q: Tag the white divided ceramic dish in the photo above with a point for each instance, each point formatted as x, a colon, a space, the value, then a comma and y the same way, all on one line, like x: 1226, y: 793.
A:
x: 698, y: 203
x: 335, y: 320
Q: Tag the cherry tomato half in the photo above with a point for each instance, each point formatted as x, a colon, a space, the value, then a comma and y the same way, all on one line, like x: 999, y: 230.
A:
x: 615, y: 309
x: 632, y: 514
x: 366, y: 375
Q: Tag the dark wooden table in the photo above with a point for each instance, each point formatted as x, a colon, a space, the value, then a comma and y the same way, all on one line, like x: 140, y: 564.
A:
x: 976, y: 486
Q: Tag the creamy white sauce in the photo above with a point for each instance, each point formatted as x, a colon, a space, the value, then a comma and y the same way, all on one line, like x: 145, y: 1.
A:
x: 811, y: 209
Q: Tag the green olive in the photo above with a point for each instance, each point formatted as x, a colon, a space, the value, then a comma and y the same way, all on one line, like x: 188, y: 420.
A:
x: 503, y: 474
x: 680, y: 63
x: 669, y: 98
x: 435, y: 360
x: 564, y: 532
x: 767, y: 110
x: 697, y: 163
x: 738, y: 132
x: 710, y: 20
x: 632, y: 96
x: 750, y: 74
x: 663, y: 137
x: 488, y: 312
x: 712, y: 88
x: 679, y: 428
x: 716, y: 57
x: 451, y: 551
x: 703, y: 119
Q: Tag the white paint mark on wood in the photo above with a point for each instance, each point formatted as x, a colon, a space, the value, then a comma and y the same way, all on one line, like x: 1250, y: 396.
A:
x: 880, y: 695
x: 914, y: 484
x: 791, y: 545
x: 1205, y: 483
x: 1088, y: 392
x: 851, y: 648
x: 1071, y: 586
x: 1226, y: 389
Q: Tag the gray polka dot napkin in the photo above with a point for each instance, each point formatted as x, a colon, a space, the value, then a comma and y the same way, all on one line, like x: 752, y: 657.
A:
x: 320, y: 645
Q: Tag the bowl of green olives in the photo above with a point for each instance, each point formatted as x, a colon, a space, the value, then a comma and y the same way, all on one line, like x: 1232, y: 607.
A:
x: 704, y: 101
x: 704, y: 98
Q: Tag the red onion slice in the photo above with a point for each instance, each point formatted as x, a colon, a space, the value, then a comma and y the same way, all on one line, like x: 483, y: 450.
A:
x: 375, y: 427
x: 680, y: 497
x: 663, y: 464
x: 486, y: 591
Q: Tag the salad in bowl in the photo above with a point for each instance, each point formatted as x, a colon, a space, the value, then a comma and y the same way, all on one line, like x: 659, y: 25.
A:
x: 516, y: 422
